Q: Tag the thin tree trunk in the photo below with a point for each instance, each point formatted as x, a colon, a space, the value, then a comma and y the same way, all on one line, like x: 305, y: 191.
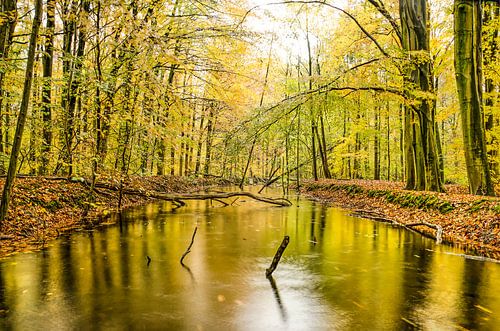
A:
x: 247, y: 165
x: 376, y: 145
x: 23, y: 111
x: 9, y: 10
x: 388, y: 138
x: 322, y: 141
x: 199, y: 147
x: 47, y: 61
x: 490, y: 56
x: 208, y: 143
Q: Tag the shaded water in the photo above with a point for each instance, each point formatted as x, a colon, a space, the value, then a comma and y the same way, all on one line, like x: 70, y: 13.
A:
x: 338, y: 273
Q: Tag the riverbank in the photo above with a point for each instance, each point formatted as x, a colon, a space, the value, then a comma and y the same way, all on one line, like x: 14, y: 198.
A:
x: 42, y: 209
x: 467, y: 220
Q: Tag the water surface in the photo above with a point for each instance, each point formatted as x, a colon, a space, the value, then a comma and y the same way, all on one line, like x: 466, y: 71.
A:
x: 338, y: 273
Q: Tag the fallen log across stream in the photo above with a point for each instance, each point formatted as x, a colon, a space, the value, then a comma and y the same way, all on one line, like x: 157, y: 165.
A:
x: 179, y: 198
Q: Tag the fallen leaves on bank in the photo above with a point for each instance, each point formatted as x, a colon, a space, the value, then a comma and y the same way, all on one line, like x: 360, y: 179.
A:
x: 467, y: 220
x: 42, y: 209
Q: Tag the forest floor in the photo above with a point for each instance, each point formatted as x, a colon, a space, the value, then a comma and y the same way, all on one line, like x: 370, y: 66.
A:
x: 42, y: 209
x: 470, y: 221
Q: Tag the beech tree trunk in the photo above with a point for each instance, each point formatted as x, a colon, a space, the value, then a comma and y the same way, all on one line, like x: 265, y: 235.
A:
x: 23, y: 111
x: 468, y: 75
x: 421, y: 153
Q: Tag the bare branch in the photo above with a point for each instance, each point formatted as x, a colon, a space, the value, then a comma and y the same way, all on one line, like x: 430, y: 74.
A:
x: 324, y: 4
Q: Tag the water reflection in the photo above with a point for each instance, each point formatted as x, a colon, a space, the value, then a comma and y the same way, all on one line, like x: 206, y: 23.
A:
x: 278, y: 297
x: 337, y: 273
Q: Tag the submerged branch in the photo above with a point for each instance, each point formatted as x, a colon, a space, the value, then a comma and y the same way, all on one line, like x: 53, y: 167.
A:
x: 381, y: 218
x: 277, y: 256
x: 188, y: 250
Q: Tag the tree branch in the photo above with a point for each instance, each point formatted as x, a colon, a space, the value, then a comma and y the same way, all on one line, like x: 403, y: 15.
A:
x: 324, y: 4
x: 188, y: 250
x: 379, y: 5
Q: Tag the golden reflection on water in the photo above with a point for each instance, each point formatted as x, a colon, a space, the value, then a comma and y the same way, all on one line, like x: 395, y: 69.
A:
x: 338, y: 273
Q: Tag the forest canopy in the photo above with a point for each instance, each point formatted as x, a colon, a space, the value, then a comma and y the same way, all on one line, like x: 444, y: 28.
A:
x: 379, y: 89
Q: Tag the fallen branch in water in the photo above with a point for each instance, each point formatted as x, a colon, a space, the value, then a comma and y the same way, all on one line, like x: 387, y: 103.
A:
x: 188, y: 250
x: 371, y: 215
x: 380, y: 218
x: 277, y: 256
x: 179, y: 198
x: 225, y: 204
x: 438, y: 228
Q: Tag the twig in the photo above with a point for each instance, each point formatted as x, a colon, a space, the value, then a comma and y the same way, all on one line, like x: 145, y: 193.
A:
x: 222, y: 202
x: 188, y: 250
x: 277, y: 256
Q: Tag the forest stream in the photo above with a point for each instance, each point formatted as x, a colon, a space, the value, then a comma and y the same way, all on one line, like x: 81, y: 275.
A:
x: 337, y: 273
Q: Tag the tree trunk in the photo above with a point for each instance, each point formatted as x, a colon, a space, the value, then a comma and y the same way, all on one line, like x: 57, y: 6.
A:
x: 376, y: 145
x: 490, y: 56
x: 311, y: 105
x: 422, y: 168
x: 69, y: 17
x: 200, y: 142
x: 469, y: 84
x: 247, y: 165
x: 47, y: 61
x: 23, y: 111
x: 388, y: 138
x: 324, y: 153
x: 8, y: 9
x: 208, y: 143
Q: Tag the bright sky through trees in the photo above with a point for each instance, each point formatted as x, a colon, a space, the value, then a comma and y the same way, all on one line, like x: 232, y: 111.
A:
x: 286, y: 23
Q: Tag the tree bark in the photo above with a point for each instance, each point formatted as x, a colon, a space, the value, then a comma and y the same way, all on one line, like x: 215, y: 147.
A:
x: 468, y: 75
x: 47, y: 61
x: 23, y: 111
x: 421, y: 161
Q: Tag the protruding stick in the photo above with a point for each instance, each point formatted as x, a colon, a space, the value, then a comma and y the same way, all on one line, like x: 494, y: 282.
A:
x: 277, y: 256
x: 188, y: 250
